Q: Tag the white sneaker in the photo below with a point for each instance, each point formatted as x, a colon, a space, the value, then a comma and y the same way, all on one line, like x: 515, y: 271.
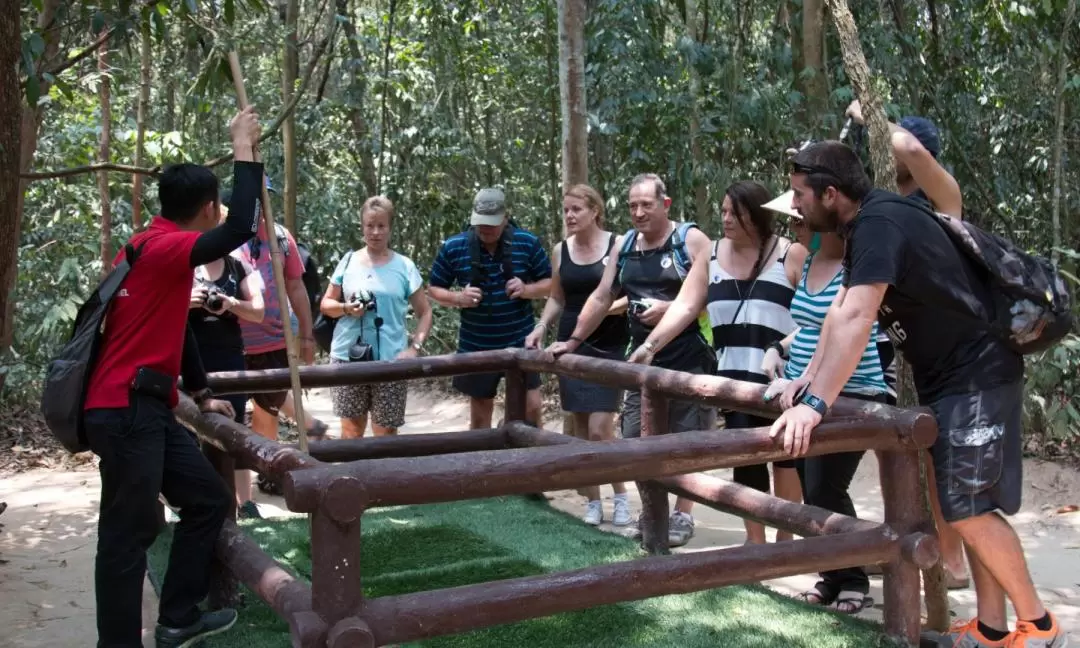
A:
x: 621, y: 517
x: 594, y: 514
x: 680, y: 529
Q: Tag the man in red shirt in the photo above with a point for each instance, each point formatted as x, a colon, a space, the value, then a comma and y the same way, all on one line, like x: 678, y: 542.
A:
x: 128, y: 415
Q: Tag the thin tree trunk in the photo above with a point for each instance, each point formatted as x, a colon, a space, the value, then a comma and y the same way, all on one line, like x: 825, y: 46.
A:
x: 356, y: 98
x: 881, y: 159
x: 290, y: 72
x: 104, y: 92
x: 10, y: 203
x: 386, y: 89
x: 813, y: 60
x: 697, y: 154
x: 575, y: 150
x: 146, y: 48
x: 1059, y: 135
x: 29, y: 122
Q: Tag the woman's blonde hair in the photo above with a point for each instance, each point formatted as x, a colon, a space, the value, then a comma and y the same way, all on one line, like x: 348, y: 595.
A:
x: 378, y: 204
x: 591, y: 197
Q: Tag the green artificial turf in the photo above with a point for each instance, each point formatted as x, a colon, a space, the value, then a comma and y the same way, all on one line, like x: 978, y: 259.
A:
x: 418, y: 548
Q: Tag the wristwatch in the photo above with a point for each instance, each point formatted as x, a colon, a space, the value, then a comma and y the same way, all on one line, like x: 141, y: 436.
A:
x: 417, y: 346
x: 814, y: 403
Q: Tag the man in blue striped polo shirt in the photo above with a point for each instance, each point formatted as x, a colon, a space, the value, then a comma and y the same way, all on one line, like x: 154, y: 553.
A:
x: 498, y: 268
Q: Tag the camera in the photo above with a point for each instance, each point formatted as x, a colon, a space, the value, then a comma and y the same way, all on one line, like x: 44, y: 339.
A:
x: 366, y: 299
x: 215, y: 297
x: 637, y: 307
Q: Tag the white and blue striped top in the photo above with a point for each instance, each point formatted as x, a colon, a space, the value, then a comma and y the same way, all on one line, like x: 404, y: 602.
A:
x: 809, y: 310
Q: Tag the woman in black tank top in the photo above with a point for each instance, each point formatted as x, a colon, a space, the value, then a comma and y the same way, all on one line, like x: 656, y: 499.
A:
x: 223, y: 291
x: 579, y: 265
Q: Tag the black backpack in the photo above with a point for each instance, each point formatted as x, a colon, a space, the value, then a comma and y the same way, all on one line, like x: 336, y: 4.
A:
x: 68, y: 374
x: 312, y: 280
x: 1032, y: 306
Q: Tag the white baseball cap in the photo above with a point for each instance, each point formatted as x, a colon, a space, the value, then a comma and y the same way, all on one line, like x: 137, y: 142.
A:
x: 782, y: 205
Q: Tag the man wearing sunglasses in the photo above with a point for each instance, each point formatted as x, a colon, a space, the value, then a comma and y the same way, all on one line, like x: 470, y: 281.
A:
x: 902, y: 270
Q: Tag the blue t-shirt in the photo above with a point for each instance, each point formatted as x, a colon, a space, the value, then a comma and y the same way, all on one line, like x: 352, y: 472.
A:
x: 498, y: 322
x: 392, y: 284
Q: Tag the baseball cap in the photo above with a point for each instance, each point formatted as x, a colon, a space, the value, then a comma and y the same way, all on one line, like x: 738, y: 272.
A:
x: 489, y: 207
x: 924, y: 130
x: 782, y: 205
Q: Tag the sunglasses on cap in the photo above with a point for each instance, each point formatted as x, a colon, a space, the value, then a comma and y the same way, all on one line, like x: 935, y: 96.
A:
x: 810, y: 169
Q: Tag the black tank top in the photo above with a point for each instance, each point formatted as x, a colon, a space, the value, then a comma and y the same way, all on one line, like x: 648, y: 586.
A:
x: 652, y: 274
x: 220, y: 332
x: 578, y: 282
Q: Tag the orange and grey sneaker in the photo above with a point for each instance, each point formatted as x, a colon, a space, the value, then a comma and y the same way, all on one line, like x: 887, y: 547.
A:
x: 1027, y: 635
x: 965, y: 634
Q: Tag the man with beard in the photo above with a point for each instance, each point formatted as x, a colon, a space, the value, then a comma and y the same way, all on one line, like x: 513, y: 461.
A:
x: 903, y: 270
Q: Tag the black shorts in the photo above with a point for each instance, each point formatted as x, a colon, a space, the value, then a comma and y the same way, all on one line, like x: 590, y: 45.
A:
x: 682, y: 416
x: 978, y: 462
x: 277, y: 359
x: 486, y: 385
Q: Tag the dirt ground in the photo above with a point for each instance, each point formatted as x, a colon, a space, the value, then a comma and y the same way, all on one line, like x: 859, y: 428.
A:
x: 48, y: 537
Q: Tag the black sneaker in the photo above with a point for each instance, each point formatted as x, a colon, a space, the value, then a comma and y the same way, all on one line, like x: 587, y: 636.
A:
x: 270, y: 486
x: 249, y: 511
x: 210, y: 624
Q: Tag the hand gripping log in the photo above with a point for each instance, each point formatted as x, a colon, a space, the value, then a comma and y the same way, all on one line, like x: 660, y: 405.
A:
x: 276, y: 263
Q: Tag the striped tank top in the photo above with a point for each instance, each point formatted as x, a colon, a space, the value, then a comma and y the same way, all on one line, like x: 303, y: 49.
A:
x: 809, y: 310
x: 742, y: 333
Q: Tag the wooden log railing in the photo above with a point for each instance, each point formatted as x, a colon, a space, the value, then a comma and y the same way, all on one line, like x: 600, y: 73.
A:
x: 517, y: 458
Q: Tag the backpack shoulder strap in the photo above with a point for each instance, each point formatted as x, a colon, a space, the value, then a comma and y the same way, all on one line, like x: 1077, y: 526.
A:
x: 506, y: 248
x: 476, y: 261
x: 683, y: 260
x: 627, y: 247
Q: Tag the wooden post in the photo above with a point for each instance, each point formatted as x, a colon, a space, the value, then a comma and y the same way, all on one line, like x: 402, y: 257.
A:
x: 654, y: 497
x: 224, y: 590
x: 901, y: 491
x: 516, y: 397
x: 276, y: 263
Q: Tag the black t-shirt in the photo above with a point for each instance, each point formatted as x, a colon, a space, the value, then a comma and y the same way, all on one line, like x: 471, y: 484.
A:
x: 935, y: 301
x: 221, y: 333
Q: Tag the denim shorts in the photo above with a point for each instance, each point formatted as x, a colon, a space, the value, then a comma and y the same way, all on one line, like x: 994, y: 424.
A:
x: 978, y: 455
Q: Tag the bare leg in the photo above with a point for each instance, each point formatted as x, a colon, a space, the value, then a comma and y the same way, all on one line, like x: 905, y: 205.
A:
x: 989, y: 595
x: 288, y: 408
x: 996, y: 552
x: 952, y: 545
x: 480, y: 410
x: 786, y: 486
x: 379, y: 430
x: 601, y: 426
x: 583, y: 430
x: 353, y: 428
x: 242, y: 479
x: 534, y: 405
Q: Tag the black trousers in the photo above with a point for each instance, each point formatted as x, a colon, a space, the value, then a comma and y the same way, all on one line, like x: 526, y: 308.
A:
x: 145, y: 451
x: 825, y: 480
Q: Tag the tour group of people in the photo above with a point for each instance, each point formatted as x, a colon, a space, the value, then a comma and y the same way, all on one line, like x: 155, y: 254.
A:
x: 819, y: 315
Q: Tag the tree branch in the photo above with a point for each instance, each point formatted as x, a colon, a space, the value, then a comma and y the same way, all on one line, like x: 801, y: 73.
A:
x: 270, y: 131
x: 90, y: 168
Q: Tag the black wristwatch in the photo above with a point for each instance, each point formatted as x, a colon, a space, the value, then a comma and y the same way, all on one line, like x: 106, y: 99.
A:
x: 779, y: 349
x: 202, y: 395
x: 814, y: 403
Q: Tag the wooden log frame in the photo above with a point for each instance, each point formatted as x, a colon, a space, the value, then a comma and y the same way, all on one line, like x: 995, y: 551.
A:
x: 519, y: 458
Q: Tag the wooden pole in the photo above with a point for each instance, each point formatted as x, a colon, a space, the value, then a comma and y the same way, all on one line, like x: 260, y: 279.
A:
x: 276, y: 263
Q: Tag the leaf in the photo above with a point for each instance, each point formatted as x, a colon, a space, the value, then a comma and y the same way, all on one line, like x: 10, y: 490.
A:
x: 33, y: 90
x: 97, y: 23
x: 37, y: 44
x: 230, y: 11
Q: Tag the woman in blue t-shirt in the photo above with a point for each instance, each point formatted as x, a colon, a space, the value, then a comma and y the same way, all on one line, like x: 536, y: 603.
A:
x: 371, y: 291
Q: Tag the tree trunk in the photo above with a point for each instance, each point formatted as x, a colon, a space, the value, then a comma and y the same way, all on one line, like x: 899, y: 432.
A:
x: 575, y: 150
x: 104, y: 92
x: 356, y: 98
x: 30, y: 120
x: 881, y: 157
x: 884, y: 166
x: 385, y: 91
x: 697, y: 153
x: 10, y: 190
x: 290, y: 72
x: 1059, y: 135
x: 140, y: 121
x: 813, y: 60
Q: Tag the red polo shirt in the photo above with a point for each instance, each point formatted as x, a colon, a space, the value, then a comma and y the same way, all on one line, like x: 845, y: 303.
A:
x: 146, y: 321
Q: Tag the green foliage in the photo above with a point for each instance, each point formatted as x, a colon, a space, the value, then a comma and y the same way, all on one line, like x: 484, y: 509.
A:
x: 470, y: 97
